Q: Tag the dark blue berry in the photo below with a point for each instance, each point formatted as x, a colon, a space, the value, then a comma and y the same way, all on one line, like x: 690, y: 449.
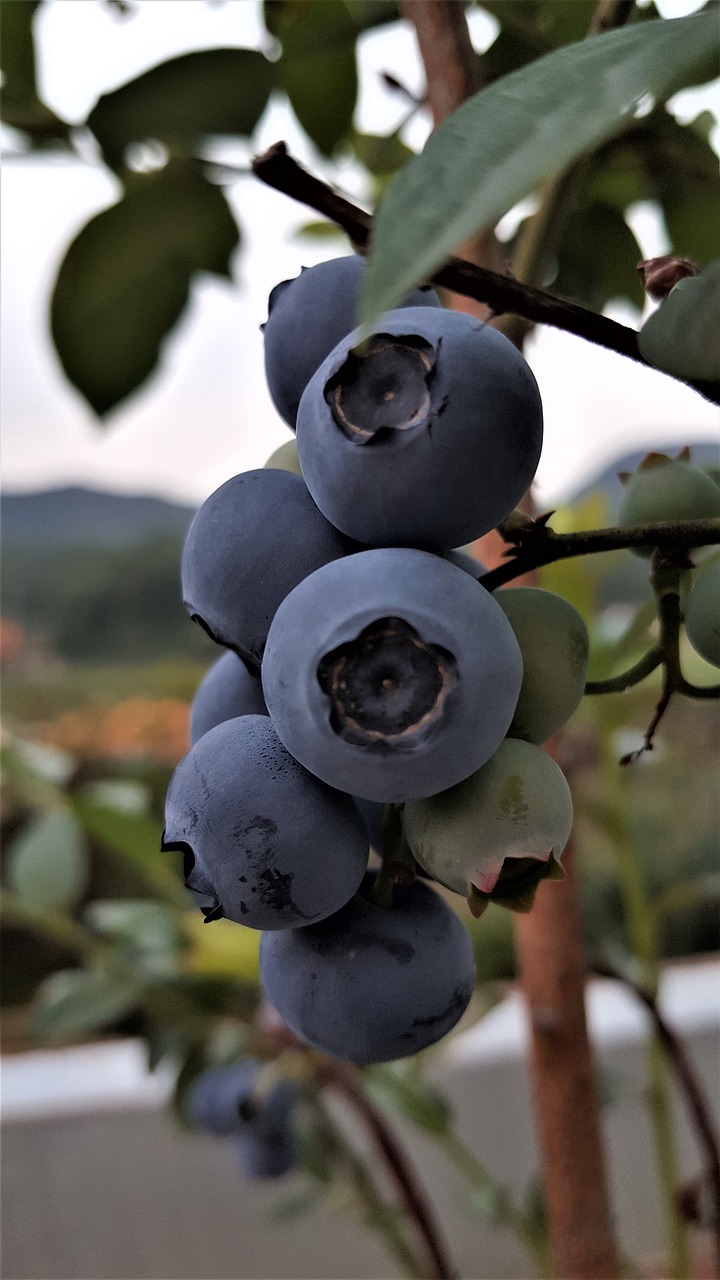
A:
x: 307, y: 317
x: 372, y: 983
x: 229, y: 1101
x: 427, y: 435
x: 228, y: 689
x: 391, y: 674
x: 267, y: 843
x: 250, y: 543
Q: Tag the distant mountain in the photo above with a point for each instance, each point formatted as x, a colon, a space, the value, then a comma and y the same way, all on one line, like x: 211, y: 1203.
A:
x: 77, y: 517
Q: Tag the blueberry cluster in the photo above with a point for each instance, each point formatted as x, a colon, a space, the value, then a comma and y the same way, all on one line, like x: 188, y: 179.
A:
x: 373, y: 692
x: 235, y: 1102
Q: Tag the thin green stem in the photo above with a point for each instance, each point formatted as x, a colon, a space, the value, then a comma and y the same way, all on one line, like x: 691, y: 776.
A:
x: 644, y: 941
x: 418, y: 1207
x: 699, y: 690
x: 380, y: 1216
x: 644, y: 667
x: 508, y: 1216
x: 665, y: 1147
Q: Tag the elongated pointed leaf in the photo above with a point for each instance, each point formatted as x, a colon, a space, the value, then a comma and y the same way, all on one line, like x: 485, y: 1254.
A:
x: 48, y: 862
x: 209, y: 91
x: 523, y: 128
x: 125, y: 280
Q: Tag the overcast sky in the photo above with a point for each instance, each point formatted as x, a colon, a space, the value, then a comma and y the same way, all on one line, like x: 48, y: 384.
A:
x: 207, y: 415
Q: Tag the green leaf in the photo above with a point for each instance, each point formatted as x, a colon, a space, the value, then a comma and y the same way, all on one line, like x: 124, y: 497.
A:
x: 363, y: 14
x: 565, y: 22
x: 194, y: 1062
x: 673, y: 164
x: 381, y: 153
x: 72, y: 1002
x: 511, y: 136
x: 48, y: 862
x: 17, y: 56
x: 135, y: 838
x: 686, y: 895
x: 681, y: 337
x: 182, y: 101
x: 314, y: 1153
x: 123, y: 794
x: 513, y: 47
x: 491, y: 1200
x: 422, y: 1104
x: 317, y: 69
x: 125, y: 280
x: 148, y: 931
x: 292, y: 1207
x: 319, y: 230
x: 366, y: 14
x: 21, y: 106
x: 597, y: 259
x: 681, y: 171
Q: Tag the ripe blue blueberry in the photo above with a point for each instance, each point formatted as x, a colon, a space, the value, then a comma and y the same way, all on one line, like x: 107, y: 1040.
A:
x: 228, y: 689
x: 391, y: 674
x: 372, y: 983
x: 250, y: 543
x: 267, y: 843
x: 230, y: 1101
x: 307, y: 317
x: 427, y: 435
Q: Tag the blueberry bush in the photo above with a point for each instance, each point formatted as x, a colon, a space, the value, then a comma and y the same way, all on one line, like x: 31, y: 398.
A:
x: 381, y: 736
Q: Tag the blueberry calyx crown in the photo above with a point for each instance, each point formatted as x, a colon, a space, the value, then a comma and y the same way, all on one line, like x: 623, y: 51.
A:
x: 383, y: 387
x: 388, y: 685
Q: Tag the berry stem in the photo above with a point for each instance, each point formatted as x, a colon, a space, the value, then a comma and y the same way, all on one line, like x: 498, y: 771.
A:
x: 696, y: 1102
x: 539, y: 545
x: 644, y: 667
x: 347, y: 1082
x: 501, y: 292
x: 381, y: 1217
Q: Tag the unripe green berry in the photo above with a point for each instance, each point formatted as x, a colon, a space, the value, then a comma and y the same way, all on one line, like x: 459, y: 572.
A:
x: 285, y: 458
x: 702, y: 615
x: 668, y: 490
x: 554, y: 645
x: 498, y: 833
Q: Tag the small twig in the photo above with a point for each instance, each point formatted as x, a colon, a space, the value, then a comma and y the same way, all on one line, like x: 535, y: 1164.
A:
x: 345, y: 1082
x: 277, y: 169
x: 502, y: 293
x: 644, y: 667
x: 666, y: 576
x: 696, y: 1103
x: 648, y: 737
x: 380, y: 1214
x: 699, y: 690
x: 537, y: 546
